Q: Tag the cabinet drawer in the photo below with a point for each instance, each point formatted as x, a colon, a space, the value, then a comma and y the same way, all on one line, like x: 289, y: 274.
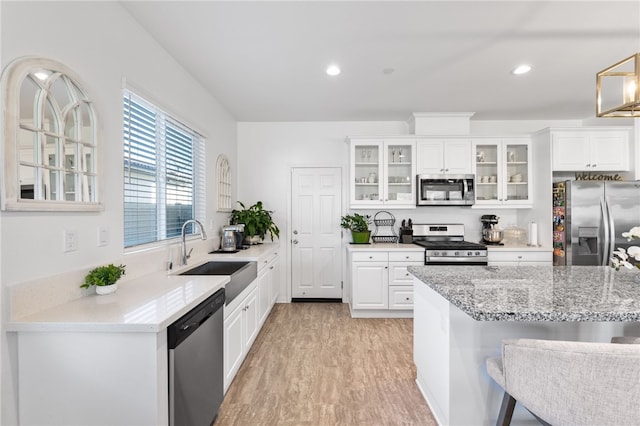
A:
x: 369, y: 256
x: 398, y: 274
x: 519, y: 256
x: 401, y: 297
x: 409, y: 256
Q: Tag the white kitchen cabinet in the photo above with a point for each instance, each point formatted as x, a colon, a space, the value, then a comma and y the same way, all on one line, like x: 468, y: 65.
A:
x: 268, y: 284
x: 590, y: 150
x: 382, y: 173
x: 369, y: 285
x: 505, y: 256
x: 241, y: 326
x: 381, y: 286
x: 400, y: 280
x: 504, y: 175
x: 274, y: 281
x: 444, y: 156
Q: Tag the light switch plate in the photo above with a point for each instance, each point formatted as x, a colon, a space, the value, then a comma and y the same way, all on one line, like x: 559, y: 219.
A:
x: 70, y: 240
x: 103, y: 236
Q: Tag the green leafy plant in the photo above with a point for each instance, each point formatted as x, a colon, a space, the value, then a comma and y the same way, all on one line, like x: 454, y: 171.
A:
x: 356, y: 222
x: 103, y: 275
x: 256, y: 220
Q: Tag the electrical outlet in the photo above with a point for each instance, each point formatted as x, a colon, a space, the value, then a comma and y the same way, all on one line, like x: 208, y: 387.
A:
x: 70, y: 240
x: 103, y: 236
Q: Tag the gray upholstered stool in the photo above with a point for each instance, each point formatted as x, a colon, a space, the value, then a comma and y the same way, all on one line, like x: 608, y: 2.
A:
x: 570, y: 383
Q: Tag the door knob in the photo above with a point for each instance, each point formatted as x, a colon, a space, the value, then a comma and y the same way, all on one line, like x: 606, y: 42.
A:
x: 295, y: 232
x: 295, y: 241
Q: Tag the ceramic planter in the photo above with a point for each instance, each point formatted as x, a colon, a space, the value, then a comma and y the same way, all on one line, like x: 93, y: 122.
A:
x: 361, y: 237
x: 106, y: 289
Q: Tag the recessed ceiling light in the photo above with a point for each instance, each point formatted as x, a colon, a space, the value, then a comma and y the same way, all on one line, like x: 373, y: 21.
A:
x: 521, y: 69
x: 333, y: 70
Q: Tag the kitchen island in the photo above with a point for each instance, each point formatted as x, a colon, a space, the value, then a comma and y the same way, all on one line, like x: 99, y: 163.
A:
x: 462, y: 314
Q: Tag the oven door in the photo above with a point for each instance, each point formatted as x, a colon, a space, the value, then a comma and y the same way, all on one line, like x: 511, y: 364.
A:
x: 441, y: 190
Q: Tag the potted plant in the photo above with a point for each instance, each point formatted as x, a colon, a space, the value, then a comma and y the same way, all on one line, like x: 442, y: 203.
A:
x: 359, y: 227
x: 104, y: 278
x: 257, y: 222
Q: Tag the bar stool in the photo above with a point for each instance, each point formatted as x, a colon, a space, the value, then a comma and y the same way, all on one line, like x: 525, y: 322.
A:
x: 577, y: 383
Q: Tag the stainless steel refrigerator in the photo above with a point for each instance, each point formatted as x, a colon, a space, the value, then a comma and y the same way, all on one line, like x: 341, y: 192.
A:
x: 589, y: 218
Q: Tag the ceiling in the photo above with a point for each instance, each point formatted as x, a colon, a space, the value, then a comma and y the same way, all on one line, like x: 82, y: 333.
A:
x: 266, y: 61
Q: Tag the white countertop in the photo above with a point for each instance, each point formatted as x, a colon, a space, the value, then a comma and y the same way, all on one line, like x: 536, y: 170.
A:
x: 415, y: 247
x: 518, y: 248
x: 146, y: 304
x: 383, y: 247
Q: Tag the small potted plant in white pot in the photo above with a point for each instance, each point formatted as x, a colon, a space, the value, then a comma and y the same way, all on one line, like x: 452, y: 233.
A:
x: 104, y: 278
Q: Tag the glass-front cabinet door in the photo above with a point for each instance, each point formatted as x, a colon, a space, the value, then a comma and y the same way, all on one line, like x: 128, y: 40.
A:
x: 517, y: 173
x: 503, y: 172
x: 487, y: 164
x: 400, y: 173
x: 366, y: 172
x: 382, y: 173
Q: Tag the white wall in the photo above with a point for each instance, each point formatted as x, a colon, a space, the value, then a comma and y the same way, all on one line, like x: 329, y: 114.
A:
x: 103, y: 45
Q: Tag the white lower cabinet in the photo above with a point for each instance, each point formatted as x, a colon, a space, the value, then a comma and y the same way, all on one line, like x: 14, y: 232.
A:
x: 246, y: 314
x: 268, y: 286
x: 518, y: 257
x: 240, y: 330
x: 400, y: 280
x: 381, y: 286
x: 370, y: 285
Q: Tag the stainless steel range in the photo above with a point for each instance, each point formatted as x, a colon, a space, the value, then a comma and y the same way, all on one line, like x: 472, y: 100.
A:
x: 445, y: 245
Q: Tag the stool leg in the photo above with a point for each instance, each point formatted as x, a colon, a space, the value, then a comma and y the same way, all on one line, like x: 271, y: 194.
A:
x: 506, y: 410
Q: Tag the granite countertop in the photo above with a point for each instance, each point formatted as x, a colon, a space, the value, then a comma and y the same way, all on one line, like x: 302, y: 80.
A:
x: 537, y: 293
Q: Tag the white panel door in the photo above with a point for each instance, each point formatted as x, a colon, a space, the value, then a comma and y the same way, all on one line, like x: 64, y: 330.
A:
x: 315, y: 232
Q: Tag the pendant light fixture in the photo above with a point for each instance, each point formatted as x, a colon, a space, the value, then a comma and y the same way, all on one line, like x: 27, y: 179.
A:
x: 618, y: 89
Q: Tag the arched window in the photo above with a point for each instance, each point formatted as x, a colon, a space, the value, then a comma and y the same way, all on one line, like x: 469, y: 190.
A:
x: 224, y: 184
x: 50, y: 139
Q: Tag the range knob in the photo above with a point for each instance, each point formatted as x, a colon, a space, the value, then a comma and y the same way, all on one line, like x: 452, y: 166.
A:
x: 457, y: 253
x: 469, y: 253
x: 435, y: 253
x: 477, y: 253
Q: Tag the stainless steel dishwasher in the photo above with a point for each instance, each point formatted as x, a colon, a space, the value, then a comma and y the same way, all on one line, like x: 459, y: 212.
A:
x: 196, y: 371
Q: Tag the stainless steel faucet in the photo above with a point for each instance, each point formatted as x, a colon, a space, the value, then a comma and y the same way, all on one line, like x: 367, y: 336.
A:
x: 184, y: 256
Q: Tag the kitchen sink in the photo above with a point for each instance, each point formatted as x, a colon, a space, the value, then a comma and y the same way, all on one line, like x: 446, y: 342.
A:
x: 241, y: 273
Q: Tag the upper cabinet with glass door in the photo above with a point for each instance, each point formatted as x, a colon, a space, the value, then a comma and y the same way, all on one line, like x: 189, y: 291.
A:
x: 382, y: 173
x: 503, y: 173
x: 50, y: 139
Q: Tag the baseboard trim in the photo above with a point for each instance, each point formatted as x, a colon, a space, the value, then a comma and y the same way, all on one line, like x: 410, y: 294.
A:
x: 314, y: 300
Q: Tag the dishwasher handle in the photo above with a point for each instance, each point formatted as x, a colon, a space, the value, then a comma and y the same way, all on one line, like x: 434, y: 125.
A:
x: 189, y: 322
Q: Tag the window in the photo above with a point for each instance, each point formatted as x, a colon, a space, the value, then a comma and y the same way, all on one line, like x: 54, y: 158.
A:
x: 224, y: 184
x: 163, y: 173
x: 50, y: 142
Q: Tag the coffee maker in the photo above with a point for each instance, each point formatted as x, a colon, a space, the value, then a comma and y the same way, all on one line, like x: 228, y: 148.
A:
x: 228, y: 242
x: 491, y: 233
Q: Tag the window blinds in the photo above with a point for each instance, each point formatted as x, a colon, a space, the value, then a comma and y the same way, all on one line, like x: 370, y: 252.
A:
x: 163, y: 173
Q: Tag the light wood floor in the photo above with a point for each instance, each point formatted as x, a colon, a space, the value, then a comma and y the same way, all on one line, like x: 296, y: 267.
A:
x: 312, y: 364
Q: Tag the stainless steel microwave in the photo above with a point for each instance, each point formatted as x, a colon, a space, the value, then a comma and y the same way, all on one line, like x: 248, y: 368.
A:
x: 445, y: 190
